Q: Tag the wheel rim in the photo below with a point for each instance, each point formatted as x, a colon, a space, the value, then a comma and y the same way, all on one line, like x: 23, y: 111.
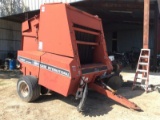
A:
x: 24, y: 89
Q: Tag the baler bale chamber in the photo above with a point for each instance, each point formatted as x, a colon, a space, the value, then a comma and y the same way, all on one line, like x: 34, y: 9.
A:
x: 64, y: 50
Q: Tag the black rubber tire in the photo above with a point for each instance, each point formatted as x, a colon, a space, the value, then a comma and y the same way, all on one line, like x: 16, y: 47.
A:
x: 44, y: 90
x: 158, y: 89
x: 115, y: 82
x: 33, y: 89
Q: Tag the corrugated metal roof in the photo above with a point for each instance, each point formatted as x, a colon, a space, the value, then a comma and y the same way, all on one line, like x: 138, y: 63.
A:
x: 35, y: 4
x: 11, y: 7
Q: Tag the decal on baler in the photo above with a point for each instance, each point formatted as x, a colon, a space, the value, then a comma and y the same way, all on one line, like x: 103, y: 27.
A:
x: 43, y: 9
x: 44, y: 66
x: 40, y: 45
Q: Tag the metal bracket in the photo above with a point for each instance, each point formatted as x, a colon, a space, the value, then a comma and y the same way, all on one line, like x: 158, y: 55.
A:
x: 80, y: 90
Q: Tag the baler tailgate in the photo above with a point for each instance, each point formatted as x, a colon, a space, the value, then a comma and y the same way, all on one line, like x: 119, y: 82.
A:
x: 118, y: 98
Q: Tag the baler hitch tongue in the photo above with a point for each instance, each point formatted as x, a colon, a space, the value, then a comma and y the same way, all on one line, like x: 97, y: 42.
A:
x: 118, y: 98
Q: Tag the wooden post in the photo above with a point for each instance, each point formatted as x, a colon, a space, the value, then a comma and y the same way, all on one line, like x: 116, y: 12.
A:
x: 146, y: 24
x: 156, y: 28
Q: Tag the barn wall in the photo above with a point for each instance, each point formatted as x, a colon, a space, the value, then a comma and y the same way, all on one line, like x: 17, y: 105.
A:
x: 158, y: 41
x: 128, y: 37
x: 10, y: 38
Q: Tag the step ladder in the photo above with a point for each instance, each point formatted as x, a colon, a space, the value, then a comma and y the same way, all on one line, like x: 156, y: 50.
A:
x: 142, y: 71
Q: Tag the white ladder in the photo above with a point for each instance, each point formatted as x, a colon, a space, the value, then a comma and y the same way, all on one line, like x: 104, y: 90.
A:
x: 143, y: 70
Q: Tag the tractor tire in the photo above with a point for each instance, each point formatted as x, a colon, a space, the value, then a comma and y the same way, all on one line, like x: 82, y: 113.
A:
x: 115, y: 82
x: 158, y: 89
x: 28, y: 88
x: 44, y: 90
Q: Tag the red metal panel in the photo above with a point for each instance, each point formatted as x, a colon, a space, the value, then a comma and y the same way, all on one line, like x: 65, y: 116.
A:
x: 80, y: 17
x: 30, y: 43
x: 29, y: 27
x: 52, y: 80
x: 54, y: 30
x: 29, y: 34
x: 28, y: 68
x: 25, y: 26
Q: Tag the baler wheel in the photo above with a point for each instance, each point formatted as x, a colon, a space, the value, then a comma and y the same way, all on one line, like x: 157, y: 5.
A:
x: 44, y: 90
x: 81, y: 105
x: 115, y: 82
x: 28, y: 88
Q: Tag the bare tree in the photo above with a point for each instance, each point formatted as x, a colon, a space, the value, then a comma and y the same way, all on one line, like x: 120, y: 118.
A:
x: 9, y: 7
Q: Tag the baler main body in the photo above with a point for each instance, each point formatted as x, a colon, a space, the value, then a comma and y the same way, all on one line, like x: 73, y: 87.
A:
x: 62, y: 45
x: 63, y: 48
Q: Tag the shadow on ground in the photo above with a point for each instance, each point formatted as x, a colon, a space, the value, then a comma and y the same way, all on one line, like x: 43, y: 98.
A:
x: 96, y: 104
x: 8, y: 74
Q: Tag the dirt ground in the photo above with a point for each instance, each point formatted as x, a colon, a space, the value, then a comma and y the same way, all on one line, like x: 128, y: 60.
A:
x: 57, y: 107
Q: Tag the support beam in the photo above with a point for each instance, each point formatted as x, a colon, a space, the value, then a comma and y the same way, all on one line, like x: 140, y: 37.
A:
x: 156, y: 39
x: 146, y: 24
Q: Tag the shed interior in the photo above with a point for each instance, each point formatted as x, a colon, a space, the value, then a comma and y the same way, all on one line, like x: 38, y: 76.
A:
x: 122, y: 23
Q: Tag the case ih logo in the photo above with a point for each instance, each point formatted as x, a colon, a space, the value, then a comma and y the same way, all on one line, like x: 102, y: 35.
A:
x: 44, y: 66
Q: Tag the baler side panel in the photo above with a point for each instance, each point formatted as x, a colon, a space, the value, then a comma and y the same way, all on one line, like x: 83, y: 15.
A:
x: 104, y: 46
x: 30, y: 34
x: 80, y: 17
x: 54, y: 30
x: 76, y: 77
x: 29, y: 43
x: 29, y: 62
x: 55, y: 74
